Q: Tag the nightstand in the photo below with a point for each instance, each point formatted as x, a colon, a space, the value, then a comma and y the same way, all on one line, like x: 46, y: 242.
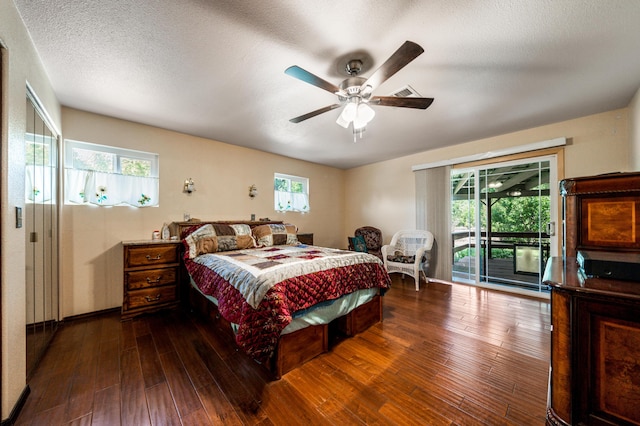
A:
x: 151, y: 276
x: 306, y: 238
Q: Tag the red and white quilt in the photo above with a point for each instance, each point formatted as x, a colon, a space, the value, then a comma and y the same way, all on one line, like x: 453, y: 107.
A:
x: 259, y: 289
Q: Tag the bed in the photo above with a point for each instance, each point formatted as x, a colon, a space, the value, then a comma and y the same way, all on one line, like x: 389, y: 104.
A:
x: 279, y: 299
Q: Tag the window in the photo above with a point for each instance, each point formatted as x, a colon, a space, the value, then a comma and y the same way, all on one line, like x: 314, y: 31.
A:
x: 108, y: 176
x: 40, y: 170
x: 291, y: 193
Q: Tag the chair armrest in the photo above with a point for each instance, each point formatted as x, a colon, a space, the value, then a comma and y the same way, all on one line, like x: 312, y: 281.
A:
x: 421, y: 252
x: 386, y: 250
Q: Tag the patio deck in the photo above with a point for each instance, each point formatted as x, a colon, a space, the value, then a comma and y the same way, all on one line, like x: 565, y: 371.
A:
x: 501, y: 271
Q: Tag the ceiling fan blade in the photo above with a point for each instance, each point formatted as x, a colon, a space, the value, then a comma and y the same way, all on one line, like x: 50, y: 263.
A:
x: 304, y: 75
x: 397, y: 101
x: 400, y: 58
x: 314, y: 113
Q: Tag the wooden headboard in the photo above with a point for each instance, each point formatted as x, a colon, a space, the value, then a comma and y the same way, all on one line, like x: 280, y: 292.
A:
x: 176, y: 228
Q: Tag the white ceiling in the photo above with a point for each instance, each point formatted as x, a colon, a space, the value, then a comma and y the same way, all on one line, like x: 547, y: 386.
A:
x: 215, y: 68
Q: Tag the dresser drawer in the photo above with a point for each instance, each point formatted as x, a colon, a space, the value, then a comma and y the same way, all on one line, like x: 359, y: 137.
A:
x: 150, y: 297
x: 155, y: 254
x: 150, y: 278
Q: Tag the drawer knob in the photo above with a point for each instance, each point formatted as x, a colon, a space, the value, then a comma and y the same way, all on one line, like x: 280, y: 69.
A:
x: 157, y: 280
x: 152, y: 299
x: 154, y: 258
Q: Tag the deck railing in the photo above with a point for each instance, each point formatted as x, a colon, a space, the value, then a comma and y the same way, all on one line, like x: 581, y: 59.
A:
x: 499, y: 240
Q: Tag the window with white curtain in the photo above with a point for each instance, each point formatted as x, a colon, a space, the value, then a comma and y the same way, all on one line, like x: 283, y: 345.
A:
x: 40, y: 170
x: 291, y: 193
x: 107, y: 176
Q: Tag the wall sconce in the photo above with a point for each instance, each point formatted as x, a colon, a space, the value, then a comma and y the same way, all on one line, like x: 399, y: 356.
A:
x: 189, y: 186
x: 253, y: 191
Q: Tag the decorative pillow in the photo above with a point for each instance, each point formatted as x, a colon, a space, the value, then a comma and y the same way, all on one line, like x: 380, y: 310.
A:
x: 202, y: 240
x: 275, y: 235
x: 211, y: 238
x: 358, y: 243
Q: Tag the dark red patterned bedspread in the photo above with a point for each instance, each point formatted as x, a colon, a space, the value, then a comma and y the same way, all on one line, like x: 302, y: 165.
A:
x: 259, y: 329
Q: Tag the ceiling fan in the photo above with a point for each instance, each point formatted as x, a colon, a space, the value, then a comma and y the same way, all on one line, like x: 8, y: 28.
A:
x: 355, y: 92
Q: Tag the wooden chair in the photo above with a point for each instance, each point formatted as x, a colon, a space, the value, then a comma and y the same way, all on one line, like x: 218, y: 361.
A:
x: 408, y: 253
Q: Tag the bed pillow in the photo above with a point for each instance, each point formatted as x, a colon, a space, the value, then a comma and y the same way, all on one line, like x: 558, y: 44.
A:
x: 202, y: 240
x: 212, y: 238
x: 234, y: 237
x: 273, y: 234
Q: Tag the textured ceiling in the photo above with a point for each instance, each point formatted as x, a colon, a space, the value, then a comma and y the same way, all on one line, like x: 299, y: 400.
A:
x: 216, y: 68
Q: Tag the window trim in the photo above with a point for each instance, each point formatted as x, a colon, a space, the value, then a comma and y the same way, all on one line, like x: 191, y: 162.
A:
x: 86, y: 186
x: 304, y: 181
x: 119, y: 153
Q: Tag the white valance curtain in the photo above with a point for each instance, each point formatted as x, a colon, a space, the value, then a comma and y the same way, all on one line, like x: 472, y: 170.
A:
x: 40, y: 184
x: 433, y: 213
x: 110, y: 189
x: 291, y: 201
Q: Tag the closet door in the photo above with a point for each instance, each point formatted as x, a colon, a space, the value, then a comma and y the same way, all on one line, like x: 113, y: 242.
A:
x: 40, y: 218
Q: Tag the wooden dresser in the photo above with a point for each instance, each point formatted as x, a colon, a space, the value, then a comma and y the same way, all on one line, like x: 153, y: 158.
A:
x: 306, y: 238
x: 595, y: 338
x: 151, y: 276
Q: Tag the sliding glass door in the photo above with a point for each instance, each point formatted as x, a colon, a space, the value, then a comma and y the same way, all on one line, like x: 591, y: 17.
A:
x: 502, y: 226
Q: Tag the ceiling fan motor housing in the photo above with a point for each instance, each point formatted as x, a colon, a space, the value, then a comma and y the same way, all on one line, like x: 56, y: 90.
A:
x: 353, y: 67
x: 351, y: 87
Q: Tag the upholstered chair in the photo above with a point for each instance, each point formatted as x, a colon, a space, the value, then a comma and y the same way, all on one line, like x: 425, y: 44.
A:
x: 372, y: 238
x: 408, y: 253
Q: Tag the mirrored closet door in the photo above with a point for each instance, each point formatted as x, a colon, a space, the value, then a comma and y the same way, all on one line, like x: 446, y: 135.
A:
x: 40, y: 219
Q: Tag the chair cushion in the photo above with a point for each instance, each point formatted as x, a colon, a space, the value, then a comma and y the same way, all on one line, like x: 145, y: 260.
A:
x: 358, y: 243
x: 399, y: 258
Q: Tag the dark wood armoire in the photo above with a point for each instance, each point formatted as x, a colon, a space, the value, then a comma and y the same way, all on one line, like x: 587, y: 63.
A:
x: 595, y: 304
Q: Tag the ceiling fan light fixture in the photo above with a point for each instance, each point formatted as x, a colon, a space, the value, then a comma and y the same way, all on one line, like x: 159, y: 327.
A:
x: 359, y: 124
x: 365, y: 113
x: 349, y: 112
x: 342, y: 122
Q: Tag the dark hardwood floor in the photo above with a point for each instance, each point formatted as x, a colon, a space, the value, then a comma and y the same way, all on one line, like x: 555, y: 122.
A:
x: 446, y: 355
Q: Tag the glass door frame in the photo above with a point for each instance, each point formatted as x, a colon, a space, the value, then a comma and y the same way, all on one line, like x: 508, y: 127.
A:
x: 475, y: 273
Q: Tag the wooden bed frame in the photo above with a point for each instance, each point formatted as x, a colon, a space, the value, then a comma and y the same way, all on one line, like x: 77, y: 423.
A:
x: 293, y: 349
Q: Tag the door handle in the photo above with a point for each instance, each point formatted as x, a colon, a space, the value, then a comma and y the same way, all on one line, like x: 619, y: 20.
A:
x: 551, y: 229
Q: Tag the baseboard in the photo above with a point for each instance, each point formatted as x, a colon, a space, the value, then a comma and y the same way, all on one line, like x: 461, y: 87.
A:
x: 92, y: 314
x: 13, y: 416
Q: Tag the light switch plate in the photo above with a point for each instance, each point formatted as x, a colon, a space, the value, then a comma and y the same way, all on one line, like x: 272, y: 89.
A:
x: 18, y: 217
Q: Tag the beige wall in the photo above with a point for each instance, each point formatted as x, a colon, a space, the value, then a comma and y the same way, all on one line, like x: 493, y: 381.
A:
x: 90, y: 236
x: 20, y: 66
x: 634, y: 131
x: 383, y: 194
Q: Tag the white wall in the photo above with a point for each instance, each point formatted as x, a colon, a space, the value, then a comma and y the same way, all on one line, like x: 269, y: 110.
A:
x: 21, y: 65
x: 91, y: 236
x: 383, y: 194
